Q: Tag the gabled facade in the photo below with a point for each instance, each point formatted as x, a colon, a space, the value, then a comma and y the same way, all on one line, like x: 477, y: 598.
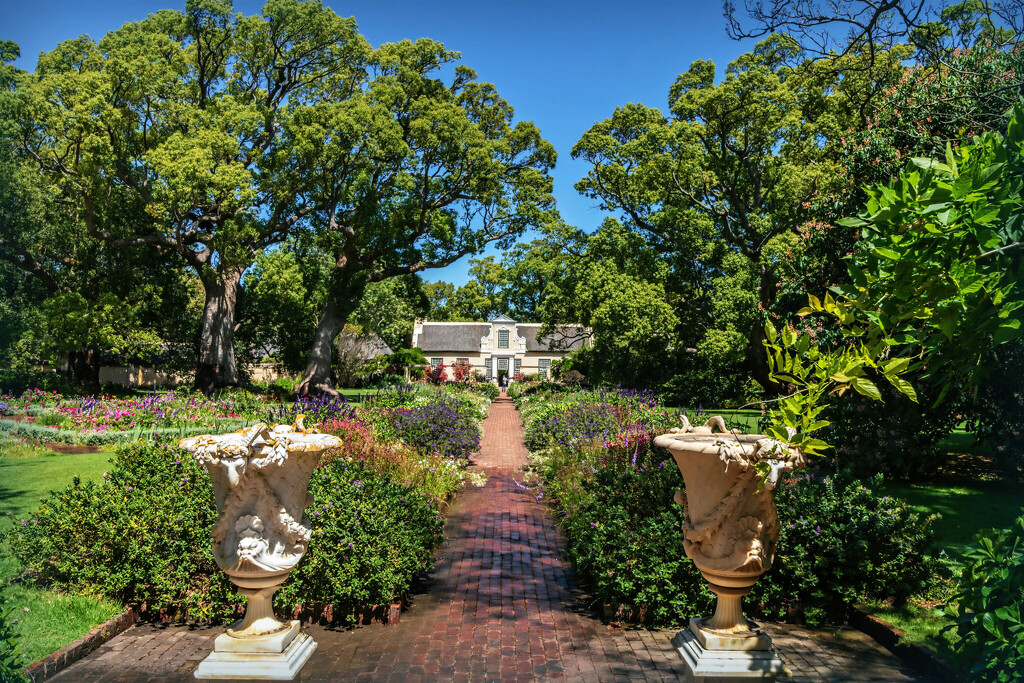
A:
x: 501, y: 346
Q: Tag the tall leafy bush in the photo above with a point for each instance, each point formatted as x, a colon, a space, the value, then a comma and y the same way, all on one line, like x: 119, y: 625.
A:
x: 989, y: 607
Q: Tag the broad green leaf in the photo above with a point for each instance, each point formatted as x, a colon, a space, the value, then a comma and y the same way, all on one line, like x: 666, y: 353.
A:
x: 866, y: 387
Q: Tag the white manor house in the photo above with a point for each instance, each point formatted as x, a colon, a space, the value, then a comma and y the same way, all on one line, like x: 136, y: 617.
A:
x: 499, y: 347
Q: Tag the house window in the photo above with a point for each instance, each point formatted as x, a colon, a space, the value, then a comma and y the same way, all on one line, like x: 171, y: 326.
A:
x: 503, y: 364
x: 518, y: 366
x: 462, y: 360
x: 502, y: 339
x: 434, y: 362
x: 545, y: 365
x: 489, y: 367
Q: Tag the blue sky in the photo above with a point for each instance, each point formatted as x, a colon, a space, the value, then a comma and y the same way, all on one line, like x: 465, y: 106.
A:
x: 564, y: 64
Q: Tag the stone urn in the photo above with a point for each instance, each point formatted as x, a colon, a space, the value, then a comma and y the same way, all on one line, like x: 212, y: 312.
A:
x: 260, y: 481
x: 730, y: 533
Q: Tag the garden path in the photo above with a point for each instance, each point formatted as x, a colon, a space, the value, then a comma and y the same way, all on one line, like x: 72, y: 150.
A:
x: 499, y: 605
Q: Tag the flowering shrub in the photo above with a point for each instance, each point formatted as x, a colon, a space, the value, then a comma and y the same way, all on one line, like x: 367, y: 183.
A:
x: 5, y: 409
x: 435, y: 375
x: 442, y: 425
x: 143, y: 537
x: 571, y: 418
x: 155, y: 410
x: 431, y: 474
x: 319, y: 408
x: 613, y: 495
x: 462, y: 372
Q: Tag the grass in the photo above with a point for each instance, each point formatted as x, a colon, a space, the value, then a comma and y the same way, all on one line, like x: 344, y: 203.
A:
x: 965, y: 509
x: 920, y: 624
x: 969, y: 496
x: 46, y: 620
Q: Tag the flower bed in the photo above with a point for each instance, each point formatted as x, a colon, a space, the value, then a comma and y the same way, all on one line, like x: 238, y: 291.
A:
x: 143, y: 535
x: 612, y: 492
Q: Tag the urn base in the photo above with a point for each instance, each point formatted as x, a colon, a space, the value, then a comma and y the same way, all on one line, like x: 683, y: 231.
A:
x: 717, y: 658
x: 275, y: 657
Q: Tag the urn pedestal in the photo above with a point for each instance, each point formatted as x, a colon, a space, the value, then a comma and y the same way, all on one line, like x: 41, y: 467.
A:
x: 730, y: 533
x: 260, y: 481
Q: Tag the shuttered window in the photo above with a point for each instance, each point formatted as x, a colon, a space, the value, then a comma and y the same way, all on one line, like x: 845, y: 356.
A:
x: 488, y: 366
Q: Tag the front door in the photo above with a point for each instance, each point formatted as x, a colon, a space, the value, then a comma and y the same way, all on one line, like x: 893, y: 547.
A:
x: 502, y: 369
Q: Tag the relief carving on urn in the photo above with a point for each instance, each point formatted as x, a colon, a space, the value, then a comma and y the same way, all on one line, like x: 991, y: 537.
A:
x: 730, y: 532
x: 260, y: 480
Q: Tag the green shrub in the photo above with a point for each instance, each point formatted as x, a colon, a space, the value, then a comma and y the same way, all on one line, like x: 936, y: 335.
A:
x: 613, y: 493
x: 371, y: 536
x: 623, y: 534
x: 840, y: 543
x: 10, y: 652
x: 894, y: 436
x: 143, y: 537
x: 487, y: 389
x: 989, y: 607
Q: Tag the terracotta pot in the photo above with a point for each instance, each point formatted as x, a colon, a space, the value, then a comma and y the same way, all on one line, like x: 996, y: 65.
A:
x: 731, y: 526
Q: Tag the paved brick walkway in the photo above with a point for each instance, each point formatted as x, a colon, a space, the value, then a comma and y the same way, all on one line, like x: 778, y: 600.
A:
x: 499, y: 605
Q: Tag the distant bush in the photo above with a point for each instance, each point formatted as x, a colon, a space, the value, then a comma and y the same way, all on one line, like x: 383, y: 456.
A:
x: 462, y: 372
x: 988, y: 610
x: 16, y: 382
x: 573, y: 378
x: 435, y: 374
x: 487, y: 389
x: 997, y: 409
x: 894, y: 436
x: 443, y: 424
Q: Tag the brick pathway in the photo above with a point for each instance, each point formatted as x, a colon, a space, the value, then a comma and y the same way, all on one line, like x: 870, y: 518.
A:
x: 499, y: 605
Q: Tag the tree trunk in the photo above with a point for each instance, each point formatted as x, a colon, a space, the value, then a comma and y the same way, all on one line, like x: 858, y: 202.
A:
x: 84, y: 366
x: 346, y: 290
x: 217, y: 367
x: 317, y: 378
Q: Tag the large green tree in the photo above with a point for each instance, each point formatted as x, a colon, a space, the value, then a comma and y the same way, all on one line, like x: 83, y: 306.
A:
x: 83, y: 298
x: 422, y: 172
x: 178, y: 133
x: 719, y: 184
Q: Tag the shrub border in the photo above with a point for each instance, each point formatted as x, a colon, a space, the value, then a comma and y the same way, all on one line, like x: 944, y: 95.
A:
x: 60, y: 660
x: 891, y: 638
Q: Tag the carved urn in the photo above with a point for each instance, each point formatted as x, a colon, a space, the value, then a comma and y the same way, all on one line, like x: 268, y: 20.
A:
x: 260, y: 481
x: 730, y: 533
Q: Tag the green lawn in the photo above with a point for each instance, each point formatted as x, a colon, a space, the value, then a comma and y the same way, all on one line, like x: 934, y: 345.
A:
x: 968, y: 498
x: 965, y: 508
x: 47, y: 620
